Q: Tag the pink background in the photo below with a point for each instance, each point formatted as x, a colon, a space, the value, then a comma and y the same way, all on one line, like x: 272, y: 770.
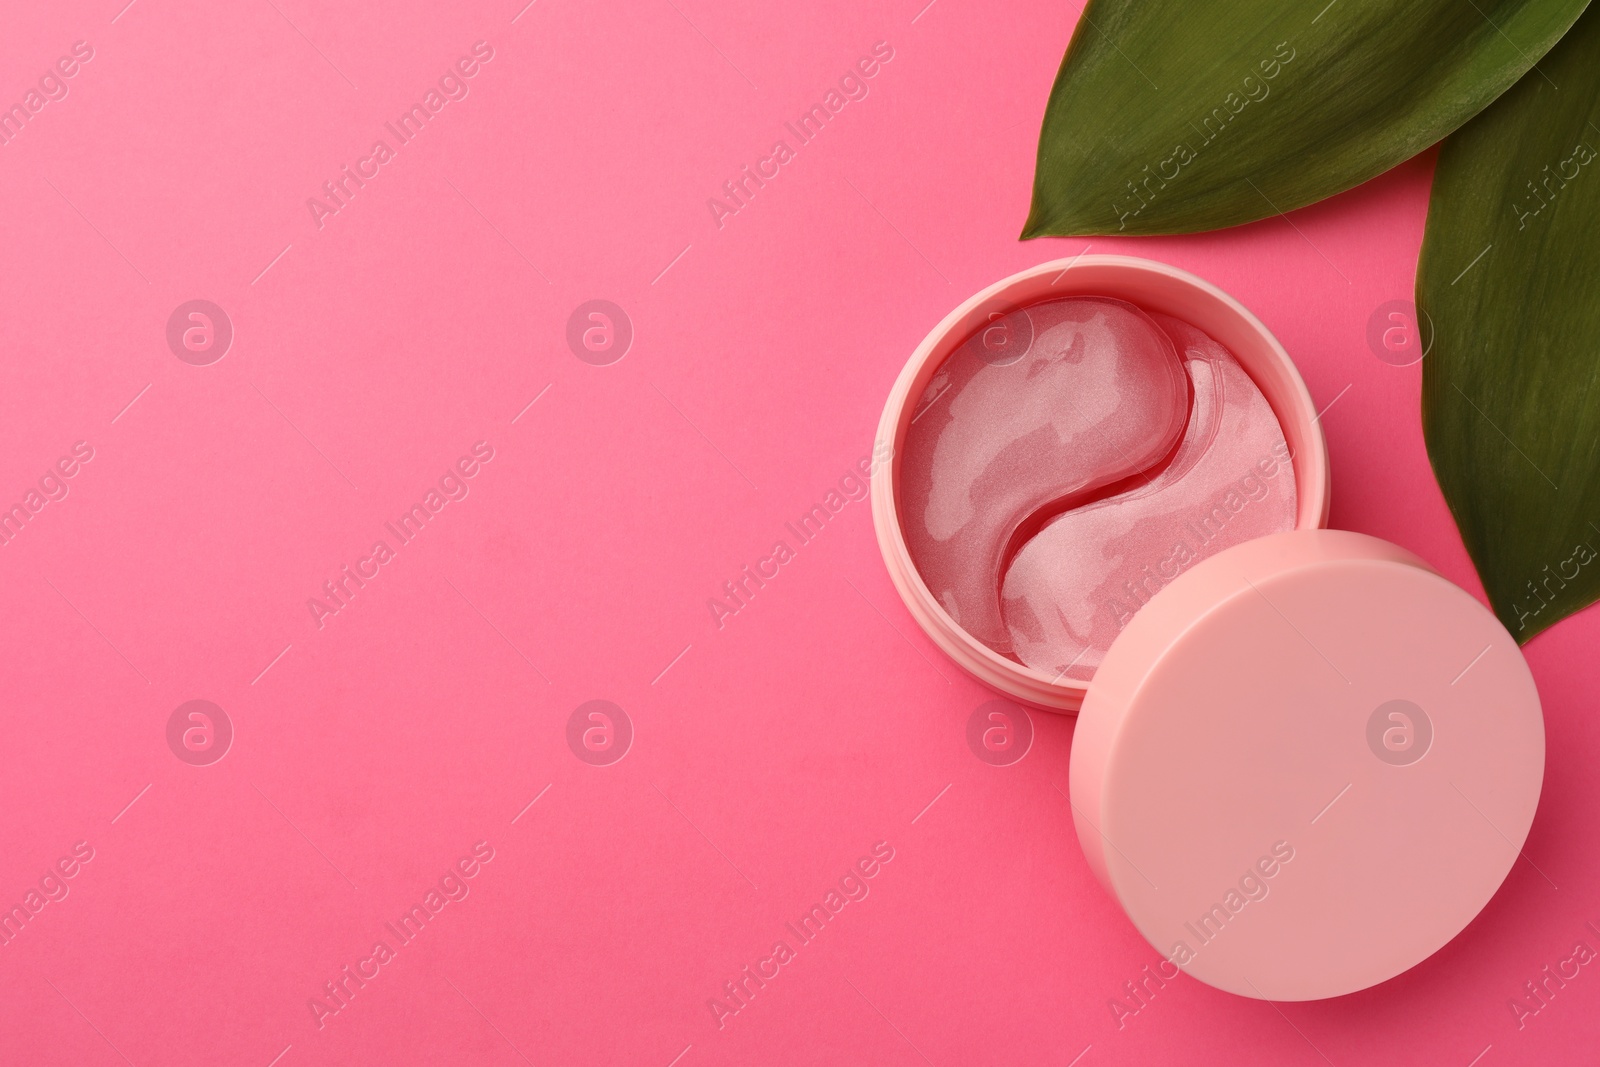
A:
x: 372, y: 753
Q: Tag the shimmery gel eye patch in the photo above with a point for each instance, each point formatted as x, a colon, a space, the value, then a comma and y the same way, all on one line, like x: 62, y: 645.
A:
x: 1073, y: 587
x: 1032, y: 414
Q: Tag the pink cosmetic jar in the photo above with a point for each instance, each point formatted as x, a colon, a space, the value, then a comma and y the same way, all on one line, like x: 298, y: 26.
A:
x: 1307, y: 761
x: 1152, y: 287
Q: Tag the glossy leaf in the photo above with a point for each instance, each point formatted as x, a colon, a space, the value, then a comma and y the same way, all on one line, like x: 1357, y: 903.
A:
x: 1510, y: 277
x: 1173, y: 116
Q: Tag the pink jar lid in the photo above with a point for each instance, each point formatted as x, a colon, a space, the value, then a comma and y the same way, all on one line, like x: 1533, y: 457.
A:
x: 1306, y: 765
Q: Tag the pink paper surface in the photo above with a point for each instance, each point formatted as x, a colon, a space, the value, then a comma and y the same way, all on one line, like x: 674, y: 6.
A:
x: 768, y: 749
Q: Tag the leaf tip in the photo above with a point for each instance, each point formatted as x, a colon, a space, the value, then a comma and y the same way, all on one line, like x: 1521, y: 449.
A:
x: 1054, y: 222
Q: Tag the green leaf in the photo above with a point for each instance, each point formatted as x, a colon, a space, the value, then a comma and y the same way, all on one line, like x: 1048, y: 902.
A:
x: 1172, y: 116
x: 1510, y: 276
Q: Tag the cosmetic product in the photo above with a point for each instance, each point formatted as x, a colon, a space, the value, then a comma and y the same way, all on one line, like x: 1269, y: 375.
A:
x: 1074, y: 585
x: 1303, y: 760
x: 1037, y: 408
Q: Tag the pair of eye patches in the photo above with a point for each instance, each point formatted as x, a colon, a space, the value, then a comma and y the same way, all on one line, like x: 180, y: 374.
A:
x: 1033, y: 412
x: 1073, y: 587
x: 1071, y: 458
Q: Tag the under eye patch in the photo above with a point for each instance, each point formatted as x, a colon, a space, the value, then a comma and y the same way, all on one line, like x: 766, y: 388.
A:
x: 1030, y: 415
x: 1073, y: 457
x: 1072, y: 588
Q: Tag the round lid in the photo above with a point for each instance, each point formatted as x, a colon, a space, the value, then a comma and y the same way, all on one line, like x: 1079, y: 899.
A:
x: 1306, y: 764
